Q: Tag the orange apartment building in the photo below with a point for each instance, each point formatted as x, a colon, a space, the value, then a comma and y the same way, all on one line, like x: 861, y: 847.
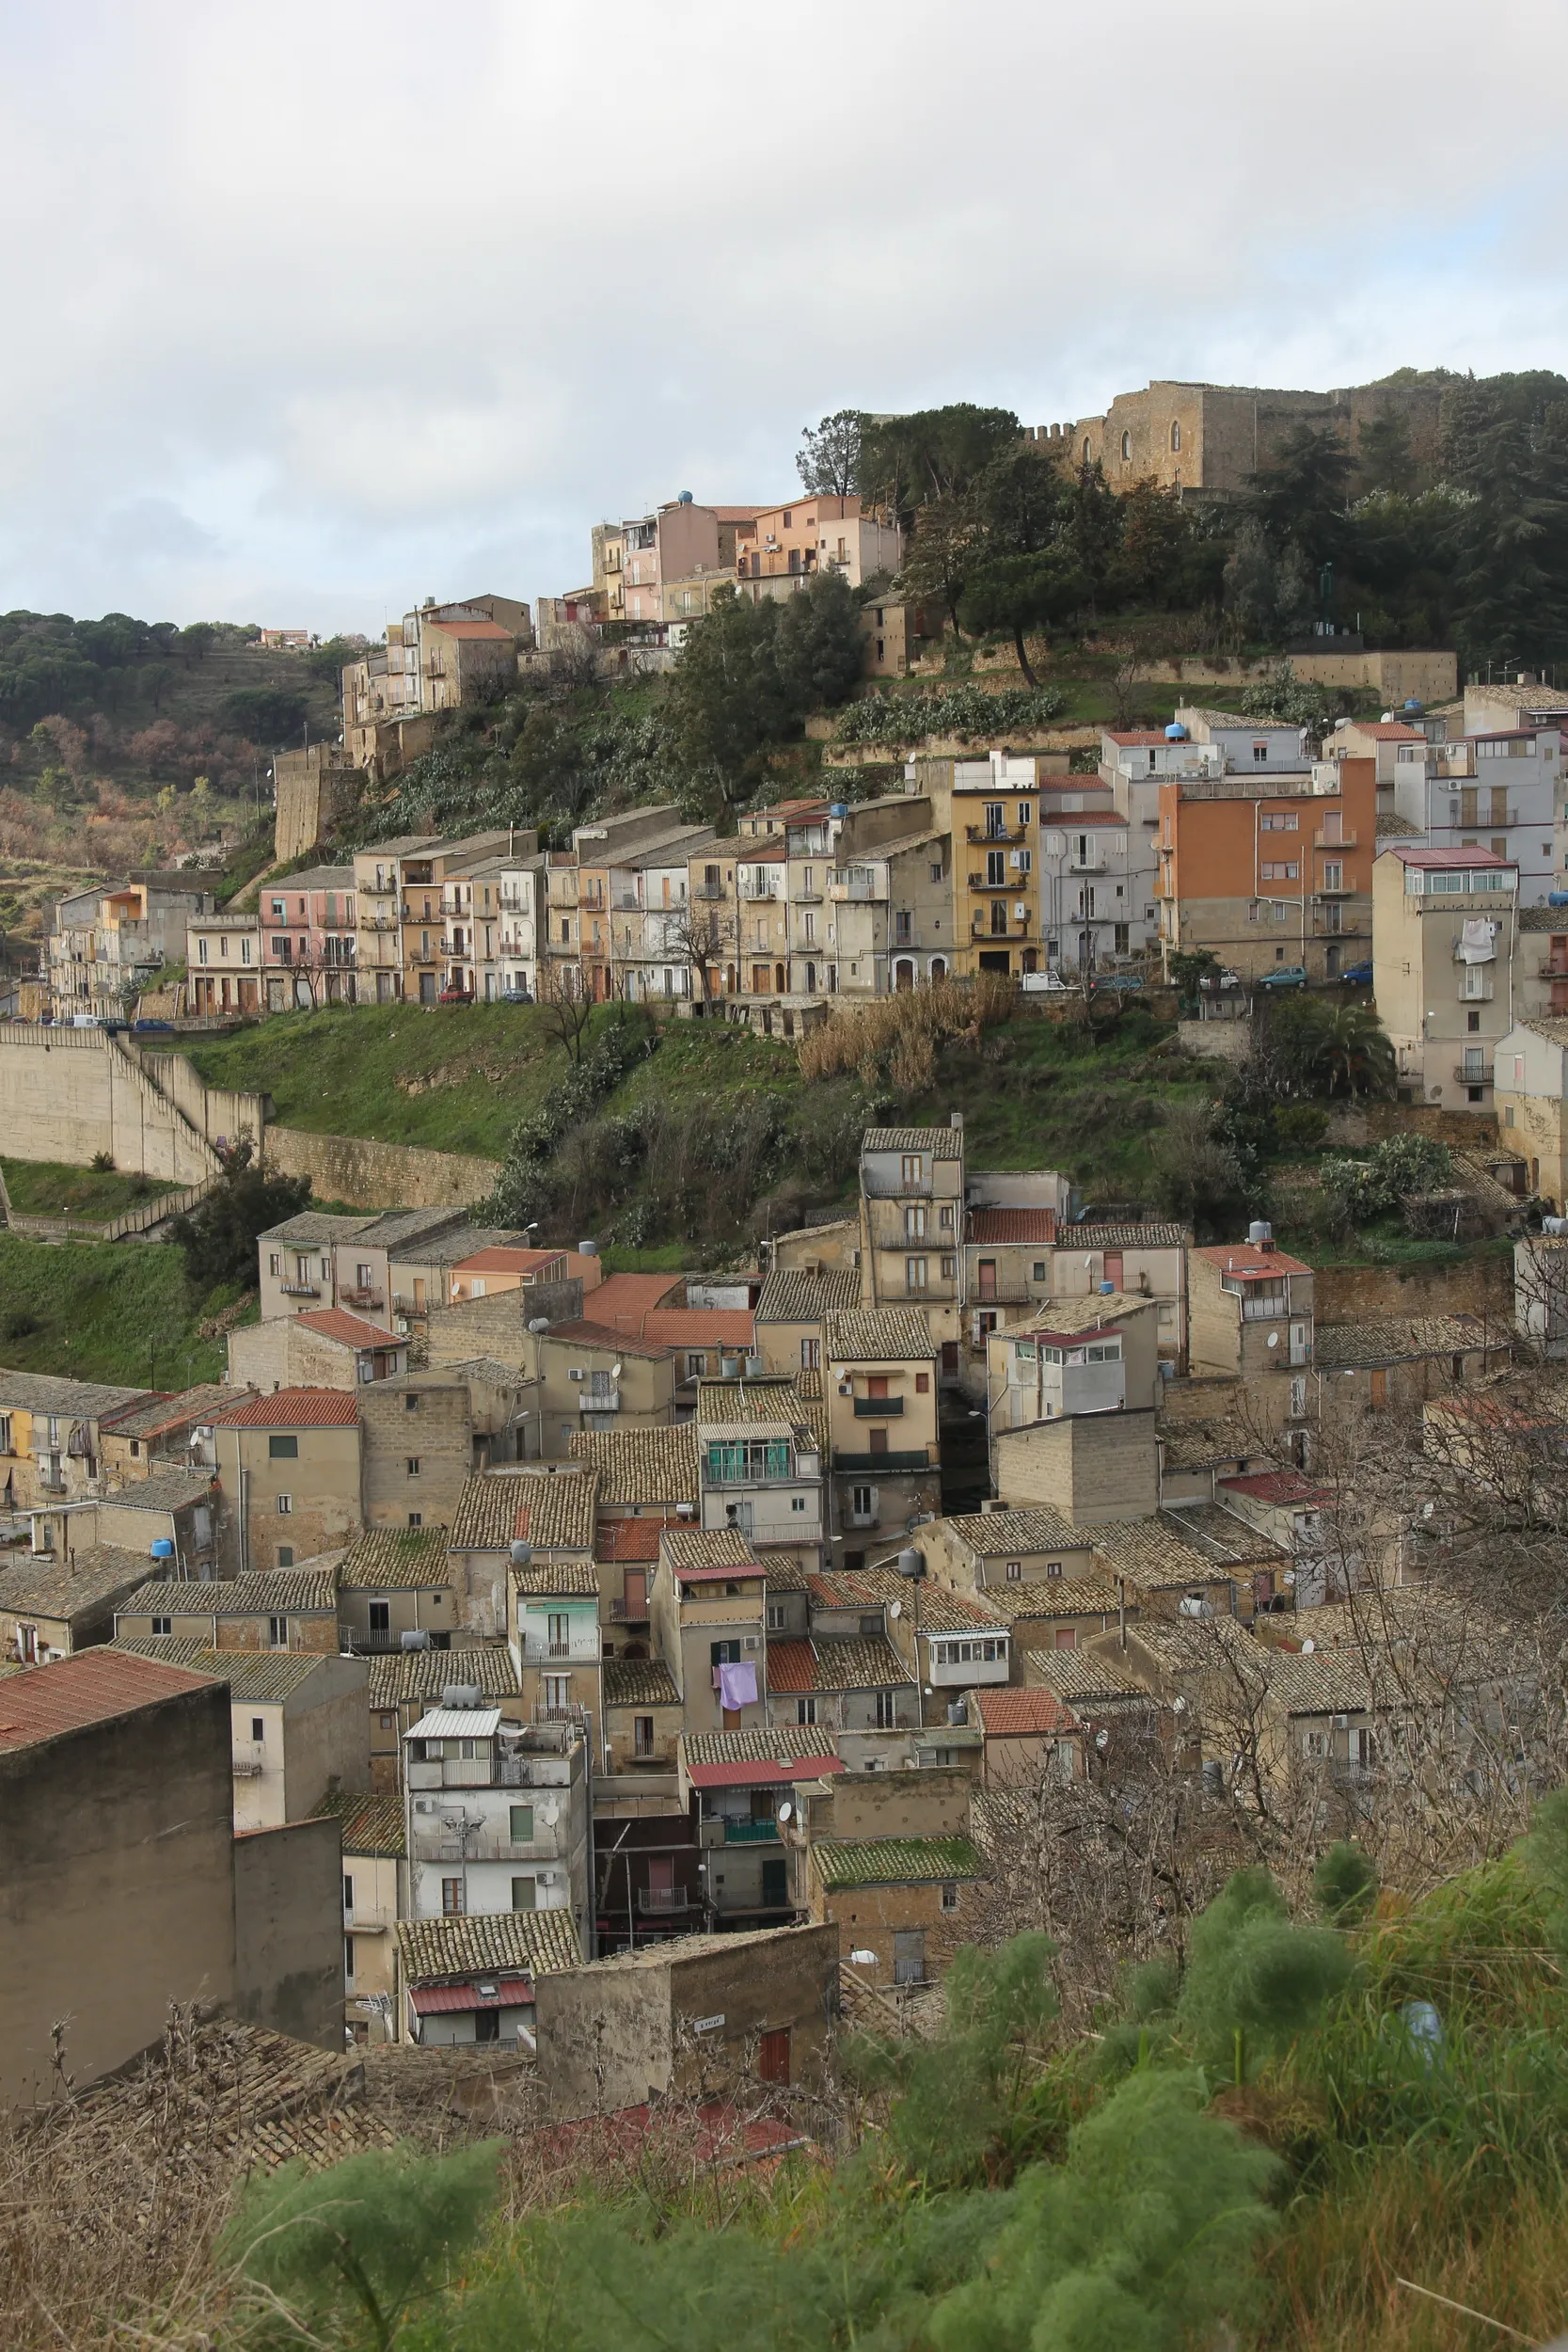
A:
x: 786, y: 544
x: 1270, y: 872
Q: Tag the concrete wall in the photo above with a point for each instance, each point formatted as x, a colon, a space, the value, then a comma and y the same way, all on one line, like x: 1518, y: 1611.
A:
x: 220, y: 1113
x: 67, y: 1094
x: 115, y: 1897
x: 1090, y: 1466
x: 289, y: 1931
x: 327, y: 1735
x: 278, y: 1354
x: 623, y: 2030
x: 1471, y: 1286
x: 366, y: 1175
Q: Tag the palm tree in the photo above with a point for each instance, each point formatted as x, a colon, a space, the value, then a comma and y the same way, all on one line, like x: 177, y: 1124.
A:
x: 1350, y: 1053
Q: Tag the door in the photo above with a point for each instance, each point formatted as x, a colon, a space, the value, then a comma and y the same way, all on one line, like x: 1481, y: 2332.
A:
x: 427, y: 988
x: 876, y: 1385
x: 879, y: 1440
x: 1112, y: 1268
x: 908, y: 1956
x: 637, y: 1595
x: 1298, y: 1342
x: 773, y: 2057
x: 903, y: 974
x: 775, y: 1881
x: 988, y: 1278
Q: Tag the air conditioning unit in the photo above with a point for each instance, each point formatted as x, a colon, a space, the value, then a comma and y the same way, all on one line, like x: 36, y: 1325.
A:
x: 574, y: 1373
x: 846, y: 1387
x: 751, y: 1641
x: 424, y: 1805
x: 1341, y: 1723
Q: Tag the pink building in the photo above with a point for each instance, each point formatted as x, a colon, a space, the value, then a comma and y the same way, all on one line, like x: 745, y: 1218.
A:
x: 308, y: 936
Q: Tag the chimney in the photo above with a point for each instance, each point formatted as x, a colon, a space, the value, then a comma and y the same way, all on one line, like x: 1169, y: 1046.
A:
x: 956, y: 1119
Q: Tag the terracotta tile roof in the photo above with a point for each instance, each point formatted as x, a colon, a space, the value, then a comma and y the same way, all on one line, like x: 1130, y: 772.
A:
x: 92, y: 1687
x: 561, y: 1579
x: 761, y: 1759
x: 628, y: 1540
x: 1151, y: 1551
x: 824, y: 1663
x: 1007, y: 1714
x: 1153, y: 1236
x: 258, y: 1674
x: 591, y: 1335
x: 156, y: 1416
x: 168, y: 1489
x: 397, y: 1676
x: 895, y: 1861
x: 937, y: 1143
x: 726, y: 1327
x: 1223, y: 1538
x: 551, y: 1510
x: 685, y: 1549
x: 45, y: 1586
x: 1050, y: 1598
x: 772, y: 1401
x: 1281, y: 1486
x: 638, y: 1682
x: 1083, y: 1677
x: 791, y: 1296
x: 1382, y: 731
x: 336, y: 1324
x: 294, y: 1408
x: 640, y: 1465
x: 302, y: 1592
x: 1253, y: 1264
x: 491, y: 631
x: 1070, y: 1318
x: 539, y: 1943
x: 45, y: 1393
x: 621, y: 1300
x: 372, y: 1825
x: 1451, y: 860
x: 786, y: 1571
x: 858, y: 1335
x: 1393, y: 1340
x: 396, y: 1558
x: 1039, y: 1528
x: 504, y: 1261
x: 316, y: 1226
x: 1013, y: 1225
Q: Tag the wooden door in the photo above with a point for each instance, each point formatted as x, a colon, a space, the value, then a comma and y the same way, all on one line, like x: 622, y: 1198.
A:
x: 773, y: 2057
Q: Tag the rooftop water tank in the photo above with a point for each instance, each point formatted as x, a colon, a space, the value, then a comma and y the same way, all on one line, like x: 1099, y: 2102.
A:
x: 162, y: 1548
x: 1175, y: 732
x: 415, y: 1637
x: 1258, y: 1233
x: 1556, y: 898
x: 838, y: 808
x: 1107, y: 1290
x: 684, y: 499
x: 522, y: 1555
x: 909, y: 1563
x: 462, y: 1694
x: 588, y: 1250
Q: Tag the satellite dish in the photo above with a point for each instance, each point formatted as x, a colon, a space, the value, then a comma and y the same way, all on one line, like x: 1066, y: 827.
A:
x: 1102, y: 1738
x: 1178, y: 1707
x: 863, y: 1960
x: 522, y: 1555
x: 1308, y: 1647
x: 1274, y: 1338
x: 895, y: 1609
x: 615, y: 1371
x: 786, y: 1810
x: 1289, y: 1577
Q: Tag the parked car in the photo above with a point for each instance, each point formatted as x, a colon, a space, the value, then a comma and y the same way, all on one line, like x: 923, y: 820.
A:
x: 1358, y: 975
x: 455, y: 997
x: 1118, y: 979
x: 1046, y: 984
x: 1288, y: 975
x: 516, y: 996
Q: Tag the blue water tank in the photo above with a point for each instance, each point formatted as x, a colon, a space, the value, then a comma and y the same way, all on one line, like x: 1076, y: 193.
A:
x: 1107, y: 1290
x: 838, y: 808
x: 1556, y: 898
x: 684, y: 499
x: 1176, y: 733
x: 1412, y: 702
x: 162, y: 1548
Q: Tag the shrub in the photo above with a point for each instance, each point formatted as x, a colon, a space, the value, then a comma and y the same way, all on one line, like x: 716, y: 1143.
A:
x: 1398, y: 1166
x: 902, y: 1032
x: 966, y: 712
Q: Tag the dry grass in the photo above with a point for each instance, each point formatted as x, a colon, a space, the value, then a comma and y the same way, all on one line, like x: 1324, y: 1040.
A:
x: 896, y: 1037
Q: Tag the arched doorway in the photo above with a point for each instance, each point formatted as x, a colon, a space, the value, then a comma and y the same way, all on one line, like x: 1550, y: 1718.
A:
x: 939, y: 967
x: 903, y: 974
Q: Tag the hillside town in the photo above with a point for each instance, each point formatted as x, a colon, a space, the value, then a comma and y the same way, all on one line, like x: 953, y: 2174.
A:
x: 617, y: 1676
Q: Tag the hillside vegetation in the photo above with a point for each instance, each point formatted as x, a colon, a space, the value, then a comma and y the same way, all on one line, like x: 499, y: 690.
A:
x: 107, y: 1311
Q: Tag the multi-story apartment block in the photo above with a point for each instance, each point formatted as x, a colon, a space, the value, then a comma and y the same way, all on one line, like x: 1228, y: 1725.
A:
x: 482, y: 908
x: 890, y: 908
x: 223, y: 963
x: 103, y: 946
x: 1444, y: 924
x: 289, y: 1466
x: 437, y: 658
x: 498, y: 1815
x: 760, y: 1458
x: 709, y: 1611
x: 49, y: 1437
x: 309, y: 939
x: 880, y: 1389
x: 378, y: 878
x: 911, y: 1228
x: 681, y: 545
x: 1270, y: 870
x: 649, y: 918
x: 1093, y: 902
x: 782, y: 547
x: 422, y: 912
x: 1462, y: 795
x: 1250, y: 1317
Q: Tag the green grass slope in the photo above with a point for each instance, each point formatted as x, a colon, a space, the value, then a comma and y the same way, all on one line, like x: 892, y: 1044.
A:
x: 105, y: 1310
x: 54, y: 1188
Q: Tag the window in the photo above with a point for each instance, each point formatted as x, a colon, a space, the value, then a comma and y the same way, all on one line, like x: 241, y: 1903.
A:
x: 912, y: 1171
x: 797, y: 1503
x: 386, y: 1720
x: 949, y: 1891
x: 557, y: 1690
x: 415, y: 1519
x: 381, y: 1616
x: 285, y: 1504
x: 887, y: 1710
x: 914, y: 1223
x: 1281, y: 870
x: 163, y: 1625
x: 1176, y: 437
x: 277, y: 1632
x: 996, y: 821
x: 281, y: 1449
x: 996, y: 866
x: 1333, y: 873
x: 274, y: 1262
x: 643, y: 1735
x: 916, y: 1271
x: 1126, y: 459
x: 944, y: 1218
x: 863, y: 1502
x: 805, y: 1710
x: 811, y: 1354
x: 285, y: 1555
x: 903, y: 929
x: 558, y: 1629
x: 949, y: 1268
x: 348, y: 1893
x: 1013, y: 1571
x: 521, y: 1829
x: 923, y: 1384
x: 777, y: 1615
x: 1039, y: 1272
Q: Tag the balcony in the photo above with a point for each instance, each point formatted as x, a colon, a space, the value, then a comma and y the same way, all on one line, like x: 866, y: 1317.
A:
x: 916, y: 1459
x: 751, y: 1834
x: 1019, y: 923
x: 621, y: 1612
x: 1474, y: 1075
x: 655, y: 1902
x: 1095, y: 862
x: 854, y: 893
x: 1481, y: 995
x: 1324, y: 839
x: 1014, y: 881
x: 1000, y: 833
x: 1335, y: 890
x: 378, y: 922
x: 1551, y: 970
x: 1483, y: 820
x: 709, y: 890
x: 877, y: 1407
x: 361, y: 1296
x: 806, y: 897
x: 759, y: 893
x: 599, y: 1401
x: 300, y: 1290
x: 246, y: 1768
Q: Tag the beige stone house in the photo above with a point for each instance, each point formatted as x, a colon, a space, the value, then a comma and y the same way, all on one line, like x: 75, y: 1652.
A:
x: 289, y: 1468
x: 299, y: 1724
x: 374, y: 1899
x: 1443, y: 948
x: 293, y: 1610
x: 323, y: 1347
x: 393, y: 1580
x: 549, y: 1509
x: 49, y: 1437
x: 162, y: 1433
x: 49, y: 1607
x: 880, y: 1390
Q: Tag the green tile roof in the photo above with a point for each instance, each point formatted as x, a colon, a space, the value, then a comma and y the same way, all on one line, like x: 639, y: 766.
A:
x: 896, y: 1861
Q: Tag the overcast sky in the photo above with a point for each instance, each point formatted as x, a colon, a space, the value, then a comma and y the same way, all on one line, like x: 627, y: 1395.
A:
x: 312, y: 310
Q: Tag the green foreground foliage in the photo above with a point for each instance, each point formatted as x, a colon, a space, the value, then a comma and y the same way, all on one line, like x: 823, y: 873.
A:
x: 108, y: 1310
x: 1280, y: 2124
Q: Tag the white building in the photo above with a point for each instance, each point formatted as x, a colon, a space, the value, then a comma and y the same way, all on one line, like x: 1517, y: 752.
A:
x: 498, y: 1815
x: 1496, y: 792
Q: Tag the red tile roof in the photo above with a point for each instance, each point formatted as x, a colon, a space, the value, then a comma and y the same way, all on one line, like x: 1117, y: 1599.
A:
x: 752, y: 1772
x: 698, y: 1327
x: 597, y: 1334
x: 621, y: 1301
x: 335, y: 1323
x: 1284, y: 1486
x: 92, y: 1687
x: 436, y: 2000
x: 628, y: 1540
x: 731, y: 1571
x: 1012, y: 1225
x: 1447, y: 858
x: 790, y: 1666
x: 507, y: 1260
x: 1382, y: 731
x: 1007, y: 1712
x: 295, y: 1409
x: 491, y: 630
x: 1137, y: 736
x: 1252, y: 1264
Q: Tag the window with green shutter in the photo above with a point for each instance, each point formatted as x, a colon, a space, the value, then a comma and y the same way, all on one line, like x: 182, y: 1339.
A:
x: 522, y: 1825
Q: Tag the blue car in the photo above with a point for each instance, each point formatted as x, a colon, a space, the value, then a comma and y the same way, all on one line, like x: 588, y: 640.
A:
x: 1359, y: 975
x: 1288, y: 975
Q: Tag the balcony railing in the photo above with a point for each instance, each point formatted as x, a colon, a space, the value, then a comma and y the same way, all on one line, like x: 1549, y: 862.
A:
x: 997, y: 832
x: 300, y: 1290
x: 1481, y: 995
x: 1014, y: 881
x: 1551, y: 972
x: 599, y: 1400
x: 1474, y: 1076
x: 361, y: 1295
x: 656, y: 1899
x: 751, y: 1834
x: 876, y: 1407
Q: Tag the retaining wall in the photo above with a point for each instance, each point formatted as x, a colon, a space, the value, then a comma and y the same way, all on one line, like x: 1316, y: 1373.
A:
x: 1471, y: 1286
x: 366, y: 1175
x: 67, y: 1094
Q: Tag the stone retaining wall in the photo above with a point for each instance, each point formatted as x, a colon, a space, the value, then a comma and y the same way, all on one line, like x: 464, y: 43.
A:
x: 367, y: 1175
